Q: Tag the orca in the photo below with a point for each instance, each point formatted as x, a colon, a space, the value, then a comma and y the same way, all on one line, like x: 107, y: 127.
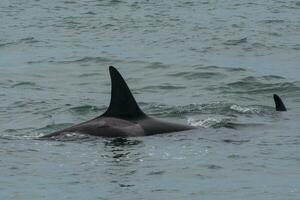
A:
x: 123, y: 117
x: 279, y: 105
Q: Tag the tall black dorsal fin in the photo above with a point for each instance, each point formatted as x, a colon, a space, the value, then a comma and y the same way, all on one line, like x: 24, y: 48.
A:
x: 122, y: 103
x: 278, y: 103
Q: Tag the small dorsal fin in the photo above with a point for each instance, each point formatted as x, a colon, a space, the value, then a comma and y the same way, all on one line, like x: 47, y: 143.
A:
x: 278, y: 103
x: 122, y: 103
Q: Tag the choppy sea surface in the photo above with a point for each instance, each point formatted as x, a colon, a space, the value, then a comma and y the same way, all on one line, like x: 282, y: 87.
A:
x: 210, y: 63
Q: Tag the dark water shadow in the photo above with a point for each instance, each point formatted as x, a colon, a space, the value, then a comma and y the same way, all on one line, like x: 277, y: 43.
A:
x: 121, y: 142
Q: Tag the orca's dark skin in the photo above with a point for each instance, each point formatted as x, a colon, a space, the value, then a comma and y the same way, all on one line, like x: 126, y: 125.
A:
x: 279, y: 105
x: 123, y: 117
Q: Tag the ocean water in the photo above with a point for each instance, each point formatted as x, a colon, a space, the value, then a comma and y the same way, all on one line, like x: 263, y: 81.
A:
x: 210, y: 63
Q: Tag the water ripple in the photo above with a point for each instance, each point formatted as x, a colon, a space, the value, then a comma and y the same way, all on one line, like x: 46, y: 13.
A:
x: 236, y: 42
x: 86, y: 60
x: 28, y: 40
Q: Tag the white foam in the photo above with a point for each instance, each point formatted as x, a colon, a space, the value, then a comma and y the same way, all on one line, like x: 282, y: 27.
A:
x: 243, y: 109
x: 206, y: 123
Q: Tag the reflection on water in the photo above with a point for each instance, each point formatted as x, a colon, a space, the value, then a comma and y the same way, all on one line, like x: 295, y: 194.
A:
x: 121, y: 142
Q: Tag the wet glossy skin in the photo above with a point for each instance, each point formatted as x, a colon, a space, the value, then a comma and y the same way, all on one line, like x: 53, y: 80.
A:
x: 114, y: 127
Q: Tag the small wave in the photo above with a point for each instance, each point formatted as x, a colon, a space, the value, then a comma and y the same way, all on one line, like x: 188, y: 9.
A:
x: 235, y: 69
x: 86, y: 60
x: 89, y: 74
x: 235, y: 142
x: 121, y: 142
x: 258, y: 45
x: 82, y: 110
x: 237, y: 156
x: 25, y: 83
x: 245, y: 110
x: 236, y: 42
x: 71, y: 137
x: 52, y: 127
x: 272, y: 21
x: 261, y: 84
x: 209, y: 67
x: 272, y: 77
x: 28, y: 40
x: 8, y: 137
x: 69, y: 2
x: 115, y: 1
x: 7, y: 44
x: 93, y: 59
x: 241, y: 87
x: 18, y: 134
x: 36, y: 61
x: 172, y: 111
x: 198, y: 75
x: 108, y: 25
x: 296, y: 46
x: 212, y: 123
x: 220, y: 123
x: 25, y: 103
x: 90, y: 13
x: 219, y: 69
x: 162, y: 87
x: 155, y: 173
x: 214, y: 167
x: 206, y: 123
x: 157, y: 65
x: 226, y: 109
x: 125, y: 185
